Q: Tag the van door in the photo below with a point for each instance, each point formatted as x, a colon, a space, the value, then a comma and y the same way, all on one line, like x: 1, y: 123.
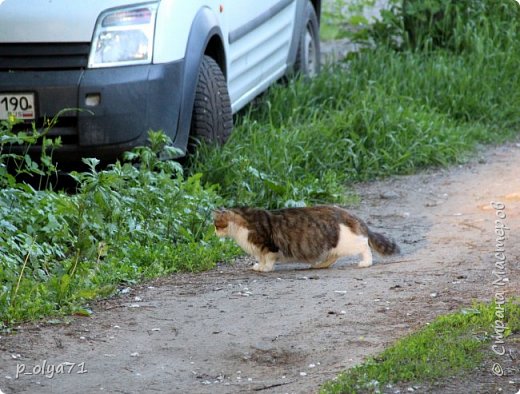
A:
x: 260, y: 35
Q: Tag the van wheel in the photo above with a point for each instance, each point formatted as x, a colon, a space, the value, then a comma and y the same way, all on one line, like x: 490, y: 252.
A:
x: 308, y: 56
x: 211, y: 120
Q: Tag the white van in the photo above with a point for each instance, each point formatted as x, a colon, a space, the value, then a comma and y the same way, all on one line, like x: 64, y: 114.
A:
x: 126, y: 66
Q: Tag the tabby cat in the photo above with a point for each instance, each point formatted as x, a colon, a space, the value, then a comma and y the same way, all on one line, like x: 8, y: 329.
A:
x: 317, y: 235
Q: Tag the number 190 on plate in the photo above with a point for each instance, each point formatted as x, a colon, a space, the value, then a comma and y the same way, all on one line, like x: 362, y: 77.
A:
x: 19, y: 105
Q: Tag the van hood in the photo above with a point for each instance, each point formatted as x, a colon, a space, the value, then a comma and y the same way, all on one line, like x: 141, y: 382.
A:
x: 26, y: 21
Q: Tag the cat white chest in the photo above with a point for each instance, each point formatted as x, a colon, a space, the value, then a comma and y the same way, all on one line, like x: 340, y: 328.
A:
x: 240, y: 235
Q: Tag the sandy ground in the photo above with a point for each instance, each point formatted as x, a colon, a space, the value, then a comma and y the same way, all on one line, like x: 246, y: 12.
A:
x: 232, y: 330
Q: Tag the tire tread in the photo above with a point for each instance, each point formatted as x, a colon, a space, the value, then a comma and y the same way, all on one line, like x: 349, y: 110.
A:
x: 212, y: 120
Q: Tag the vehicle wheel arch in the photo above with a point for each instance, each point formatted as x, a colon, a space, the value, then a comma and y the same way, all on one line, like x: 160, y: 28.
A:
x: 302, y: 14
x: 317, y: 8
x: 205, y: 38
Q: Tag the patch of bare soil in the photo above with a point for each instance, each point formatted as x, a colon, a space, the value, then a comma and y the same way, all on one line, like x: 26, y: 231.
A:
x: 232, y: 330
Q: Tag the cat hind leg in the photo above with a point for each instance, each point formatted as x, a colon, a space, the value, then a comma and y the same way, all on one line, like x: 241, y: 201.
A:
x: 326, y: 263
x: 366, y: 255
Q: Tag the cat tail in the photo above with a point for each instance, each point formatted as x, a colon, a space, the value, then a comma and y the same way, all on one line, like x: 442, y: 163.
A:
x: 382, y: 244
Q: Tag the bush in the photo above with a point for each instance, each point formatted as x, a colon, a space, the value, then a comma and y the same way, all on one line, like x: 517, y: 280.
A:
x: 463, y: 25
x: 124, y: 223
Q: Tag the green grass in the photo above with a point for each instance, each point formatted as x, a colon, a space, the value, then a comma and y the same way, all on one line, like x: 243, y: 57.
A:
x: 384, y: 113
x: 447, y: 347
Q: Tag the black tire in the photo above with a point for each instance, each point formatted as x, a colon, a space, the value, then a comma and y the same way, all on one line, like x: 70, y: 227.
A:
x: 211, y: 119
x: 308, y: 57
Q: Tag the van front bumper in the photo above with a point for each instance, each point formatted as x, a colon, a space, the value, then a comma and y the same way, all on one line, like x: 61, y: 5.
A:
x: 102, y: 112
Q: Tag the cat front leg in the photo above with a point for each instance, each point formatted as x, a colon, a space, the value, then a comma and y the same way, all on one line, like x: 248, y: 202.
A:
x: 260, y: 262
x: 266, y: 263
x: 270, y: 259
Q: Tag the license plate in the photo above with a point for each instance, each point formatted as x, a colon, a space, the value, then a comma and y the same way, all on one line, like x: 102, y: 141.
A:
x: 19, y: 105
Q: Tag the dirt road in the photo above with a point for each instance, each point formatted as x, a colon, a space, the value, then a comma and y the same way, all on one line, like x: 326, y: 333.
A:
x: 233, y: 330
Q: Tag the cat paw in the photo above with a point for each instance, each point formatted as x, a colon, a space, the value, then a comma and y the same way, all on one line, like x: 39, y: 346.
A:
x: 261, y: 268
x: 364, y: 264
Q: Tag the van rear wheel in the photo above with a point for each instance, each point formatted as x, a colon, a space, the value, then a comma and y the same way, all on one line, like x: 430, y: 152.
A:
x: 308, y: 56
x: 211, y: 119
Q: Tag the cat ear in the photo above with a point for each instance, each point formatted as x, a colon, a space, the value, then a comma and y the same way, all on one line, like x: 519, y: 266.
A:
x: 218, y: 212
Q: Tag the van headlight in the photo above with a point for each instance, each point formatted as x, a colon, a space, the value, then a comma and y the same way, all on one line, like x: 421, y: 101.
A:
x: 124, y: 37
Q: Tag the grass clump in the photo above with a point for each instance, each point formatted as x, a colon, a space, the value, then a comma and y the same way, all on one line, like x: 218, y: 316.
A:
x: 449, y: 345
x: 308, y: 161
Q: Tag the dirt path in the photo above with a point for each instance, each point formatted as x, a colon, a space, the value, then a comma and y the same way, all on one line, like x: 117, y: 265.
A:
x: 232, y: 330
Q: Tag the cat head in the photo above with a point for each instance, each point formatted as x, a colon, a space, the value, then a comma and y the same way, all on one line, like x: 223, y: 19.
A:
x: 228, y: 221
x: 221, y: 221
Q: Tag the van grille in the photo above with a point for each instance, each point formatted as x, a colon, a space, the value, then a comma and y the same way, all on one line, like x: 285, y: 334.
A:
x: 65, y: 127
x: 43, y: 56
